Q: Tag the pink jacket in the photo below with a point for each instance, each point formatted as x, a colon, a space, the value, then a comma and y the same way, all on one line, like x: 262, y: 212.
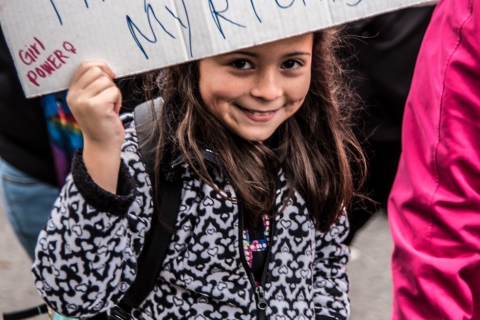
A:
x: 434, y: 207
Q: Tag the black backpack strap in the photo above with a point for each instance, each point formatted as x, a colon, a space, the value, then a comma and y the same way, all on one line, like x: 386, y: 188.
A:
x: 27, y: 313
x: 158, y: 238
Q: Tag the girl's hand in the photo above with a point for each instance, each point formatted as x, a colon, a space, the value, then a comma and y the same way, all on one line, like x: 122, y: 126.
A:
x: 95, y: 102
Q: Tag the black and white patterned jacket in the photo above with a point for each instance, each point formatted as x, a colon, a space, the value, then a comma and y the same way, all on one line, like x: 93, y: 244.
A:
x: 86, y: 256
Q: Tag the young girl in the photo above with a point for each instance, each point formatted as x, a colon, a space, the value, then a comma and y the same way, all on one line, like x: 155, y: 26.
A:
x: 268, y: 214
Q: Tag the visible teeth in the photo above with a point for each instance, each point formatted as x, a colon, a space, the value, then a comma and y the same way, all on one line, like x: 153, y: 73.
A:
x: 257, y: 113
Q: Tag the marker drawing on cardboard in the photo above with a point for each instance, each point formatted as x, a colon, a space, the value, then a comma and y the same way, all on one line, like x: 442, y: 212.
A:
x: 50, y: 38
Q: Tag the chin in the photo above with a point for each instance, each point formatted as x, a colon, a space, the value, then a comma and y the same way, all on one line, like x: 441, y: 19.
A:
x: 256, y: 138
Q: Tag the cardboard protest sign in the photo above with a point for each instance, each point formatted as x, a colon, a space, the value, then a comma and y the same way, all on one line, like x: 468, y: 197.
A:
x: 50, y: 38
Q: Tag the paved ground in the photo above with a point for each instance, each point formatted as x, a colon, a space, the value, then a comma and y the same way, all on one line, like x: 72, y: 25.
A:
x: 369, y: 272
x: 16, y: 284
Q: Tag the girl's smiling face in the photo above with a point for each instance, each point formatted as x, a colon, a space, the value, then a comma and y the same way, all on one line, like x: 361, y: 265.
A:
x: 253, y: 91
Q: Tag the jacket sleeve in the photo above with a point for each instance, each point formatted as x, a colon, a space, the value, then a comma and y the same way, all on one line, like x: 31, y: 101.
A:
x: 330, y: 278
x: 86, y: 255
x: 434, y: 205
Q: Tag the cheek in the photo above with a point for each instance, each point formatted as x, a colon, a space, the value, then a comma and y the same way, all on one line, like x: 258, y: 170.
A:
x: 218, y: 85
x: 218, y: 94
x: 305, y: 85
x: 299, y: 90
x: 213, y: 95
x: 297, y: 94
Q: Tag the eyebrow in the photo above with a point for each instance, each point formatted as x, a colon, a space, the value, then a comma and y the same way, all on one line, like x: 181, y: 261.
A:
x: 298, y: 53
x: 251, y: 54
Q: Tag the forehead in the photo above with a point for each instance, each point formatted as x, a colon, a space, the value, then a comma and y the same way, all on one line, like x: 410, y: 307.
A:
x: 301, y: 43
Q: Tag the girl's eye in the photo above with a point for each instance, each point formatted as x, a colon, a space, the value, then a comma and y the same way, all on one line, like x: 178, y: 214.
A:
x: 291, y: 64
x: 242, y: 64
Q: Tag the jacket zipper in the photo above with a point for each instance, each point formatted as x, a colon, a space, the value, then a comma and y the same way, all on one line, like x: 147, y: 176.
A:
x: 259, y: 291
x: 260, y: 302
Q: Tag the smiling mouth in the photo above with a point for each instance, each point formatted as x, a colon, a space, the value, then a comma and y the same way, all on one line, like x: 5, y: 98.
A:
x: 255, y: 112
x: 257, y: 116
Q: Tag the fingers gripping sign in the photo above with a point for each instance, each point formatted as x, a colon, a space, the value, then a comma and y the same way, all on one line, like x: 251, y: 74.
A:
x: 95, y: 102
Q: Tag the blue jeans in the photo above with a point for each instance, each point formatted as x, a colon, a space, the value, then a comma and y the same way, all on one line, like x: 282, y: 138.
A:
x: 27, y: 203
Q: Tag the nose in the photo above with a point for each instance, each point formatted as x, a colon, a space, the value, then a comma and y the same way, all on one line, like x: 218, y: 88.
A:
x: 267, y: 86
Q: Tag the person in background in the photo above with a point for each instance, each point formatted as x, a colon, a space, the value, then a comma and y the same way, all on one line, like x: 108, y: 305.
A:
x: 434, y: 206
x: 28, y: 179
x: 383, y: 53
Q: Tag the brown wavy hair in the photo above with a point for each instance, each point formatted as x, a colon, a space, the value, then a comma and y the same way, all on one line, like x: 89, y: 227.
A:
x: 315, y: 148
